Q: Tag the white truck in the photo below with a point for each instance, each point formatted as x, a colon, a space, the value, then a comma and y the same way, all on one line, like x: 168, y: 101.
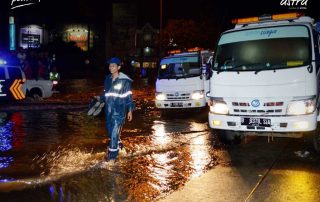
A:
x: 265, y: 79
x: 180, y: 82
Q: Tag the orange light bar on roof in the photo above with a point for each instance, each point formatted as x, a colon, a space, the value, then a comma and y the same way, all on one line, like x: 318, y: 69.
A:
x: 174, y: 51
x: 245, y: 20
x: 284, y: 16
x: 194, y: 49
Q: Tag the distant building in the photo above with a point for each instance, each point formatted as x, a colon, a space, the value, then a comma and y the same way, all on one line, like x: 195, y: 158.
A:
x: 147, y: 47
x: 123, y: 28
x: 80, y: 34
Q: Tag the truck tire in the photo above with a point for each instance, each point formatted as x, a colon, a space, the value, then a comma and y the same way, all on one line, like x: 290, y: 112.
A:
x: 229, y: 137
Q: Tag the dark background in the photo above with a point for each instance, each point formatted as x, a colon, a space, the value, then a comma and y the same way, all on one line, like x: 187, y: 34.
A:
x: 218, y: 12
x: 58, y: 11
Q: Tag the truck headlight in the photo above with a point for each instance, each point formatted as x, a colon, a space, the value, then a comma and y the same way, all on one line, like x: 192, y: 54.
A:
x: 219, y: 107
x: 301, y: 107
x: 160, y: 96
x: 197, y: 95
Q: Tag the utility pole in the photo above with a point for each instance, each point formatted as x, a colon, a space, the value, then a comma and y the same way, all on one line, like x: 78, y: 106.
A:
x: 160, y: 28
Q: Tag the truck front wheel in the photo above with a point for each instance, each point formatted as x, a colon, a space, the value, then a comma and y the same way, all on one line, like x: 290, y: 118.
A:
x: 229, y: 137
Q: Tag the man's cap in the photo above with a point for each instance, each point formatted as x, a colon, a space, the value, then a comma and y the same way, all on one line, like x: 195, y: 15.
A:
x: 114, y: 60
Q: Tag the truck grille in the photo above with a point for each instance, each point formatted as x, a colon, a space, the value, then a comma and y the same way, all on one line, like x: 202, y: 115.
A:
x: 257, y: 111
x: 266, y: 104
x: 267, y: 108
x: 180, y: 96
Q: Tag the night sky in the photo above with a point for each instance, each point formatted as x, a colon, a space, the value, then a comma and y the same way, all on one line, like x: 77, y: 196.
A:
x: 221, y: 11
x: 52, y: 10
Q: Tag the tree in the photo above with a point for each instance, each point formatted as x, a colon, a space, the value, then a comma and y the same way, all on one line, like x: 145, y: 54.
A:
x: 183, y: 34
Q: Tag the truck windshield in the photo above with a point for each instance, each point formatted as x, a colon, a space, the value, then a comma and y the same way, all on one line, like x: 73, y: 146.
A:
x: 179, y: 67
x: 263, y: 49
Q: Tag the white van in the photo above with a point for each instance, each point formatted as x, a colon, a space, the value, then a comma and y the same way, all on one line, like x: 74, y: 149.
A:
x: 265, y: 78
x: 181, y: 82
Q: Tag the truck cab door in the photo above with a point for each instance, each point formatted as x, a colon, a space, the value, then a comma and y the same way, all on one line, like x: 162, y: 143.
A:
x: 317, y: 66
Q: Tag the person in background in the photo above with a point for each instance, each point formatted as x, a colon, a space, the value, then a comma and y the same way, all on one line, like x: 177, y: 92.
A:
x: 21, y: 55
x: 27, y: 70
x: 42, y: 70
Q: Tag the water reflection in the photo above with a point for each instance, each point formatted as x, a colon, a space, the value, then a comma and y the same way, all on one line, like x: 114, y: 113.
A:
x: 6, y: 136
x: 199, y: 150
x: 47, y: 143
x: 5, y: 162
x: 66, y: 150
x: 300, y: 184
x: 57, y: 193
x: 159, y: 134
x: 5, y: 143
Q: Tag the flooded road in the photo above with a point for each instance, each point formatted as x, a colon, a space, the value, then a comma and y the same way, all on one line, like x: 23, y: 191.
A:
x: 58, y: 155
x: 52, y: 155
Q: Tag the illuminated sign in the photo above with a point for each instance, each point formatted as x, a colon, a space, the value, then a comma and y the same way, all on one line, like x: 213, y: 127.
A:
x: 79, y: 34
x: 31, y: 36
x: 12, y: 34
x: 80, y: 37
x: 32, y: 39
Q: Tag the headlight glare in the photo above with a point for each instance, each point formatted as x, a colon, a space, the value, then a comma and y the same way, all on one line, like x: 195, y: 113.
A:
x: 160, y: 96
x: 219, y: 107
x: 197, y: 95
x: 301, y: 107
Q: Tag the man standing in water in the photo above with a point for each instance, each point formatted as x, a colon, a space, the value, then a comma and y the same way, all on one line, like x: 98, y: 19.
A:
x: 118, y: 103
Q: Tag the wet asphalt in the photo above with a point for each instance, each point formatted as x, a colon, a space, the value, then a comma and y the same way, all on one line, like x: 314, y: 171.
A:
x: 57, y: 154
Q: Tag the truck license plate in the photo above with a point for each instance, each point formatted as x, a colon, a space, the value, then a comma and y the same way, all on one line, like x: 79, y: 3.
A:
x: 176, y: 104
x: 256, y: 122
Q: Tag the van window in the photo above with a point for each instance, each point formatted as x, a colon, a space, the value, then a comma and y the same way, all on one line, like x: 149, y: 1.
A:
x: 14, y: 73
x: 2, y: 74
x: 179, y: 67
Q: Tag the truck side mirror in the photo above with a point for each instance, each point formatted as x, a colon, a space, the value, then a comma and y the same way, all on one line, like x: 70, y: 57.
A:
x: 208, y: 72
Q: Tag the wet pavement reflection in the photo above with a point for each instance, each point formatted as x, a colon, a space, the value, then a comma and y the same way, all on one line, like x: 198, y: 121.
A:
x: 57, y: 155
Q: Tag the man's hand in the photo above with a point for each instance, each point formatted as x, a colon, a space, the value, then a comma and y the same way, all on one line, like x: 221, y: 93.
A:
x: 130, y: 116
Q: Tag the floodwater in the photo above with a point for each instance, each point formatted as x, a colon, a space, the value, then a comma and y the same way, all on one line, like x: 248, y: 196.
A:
x: 58, y: 155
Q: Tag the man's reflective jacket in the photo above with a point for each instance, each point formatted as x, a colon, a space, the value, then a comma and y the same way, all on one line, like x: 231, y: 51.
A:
x: 117, y: 97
